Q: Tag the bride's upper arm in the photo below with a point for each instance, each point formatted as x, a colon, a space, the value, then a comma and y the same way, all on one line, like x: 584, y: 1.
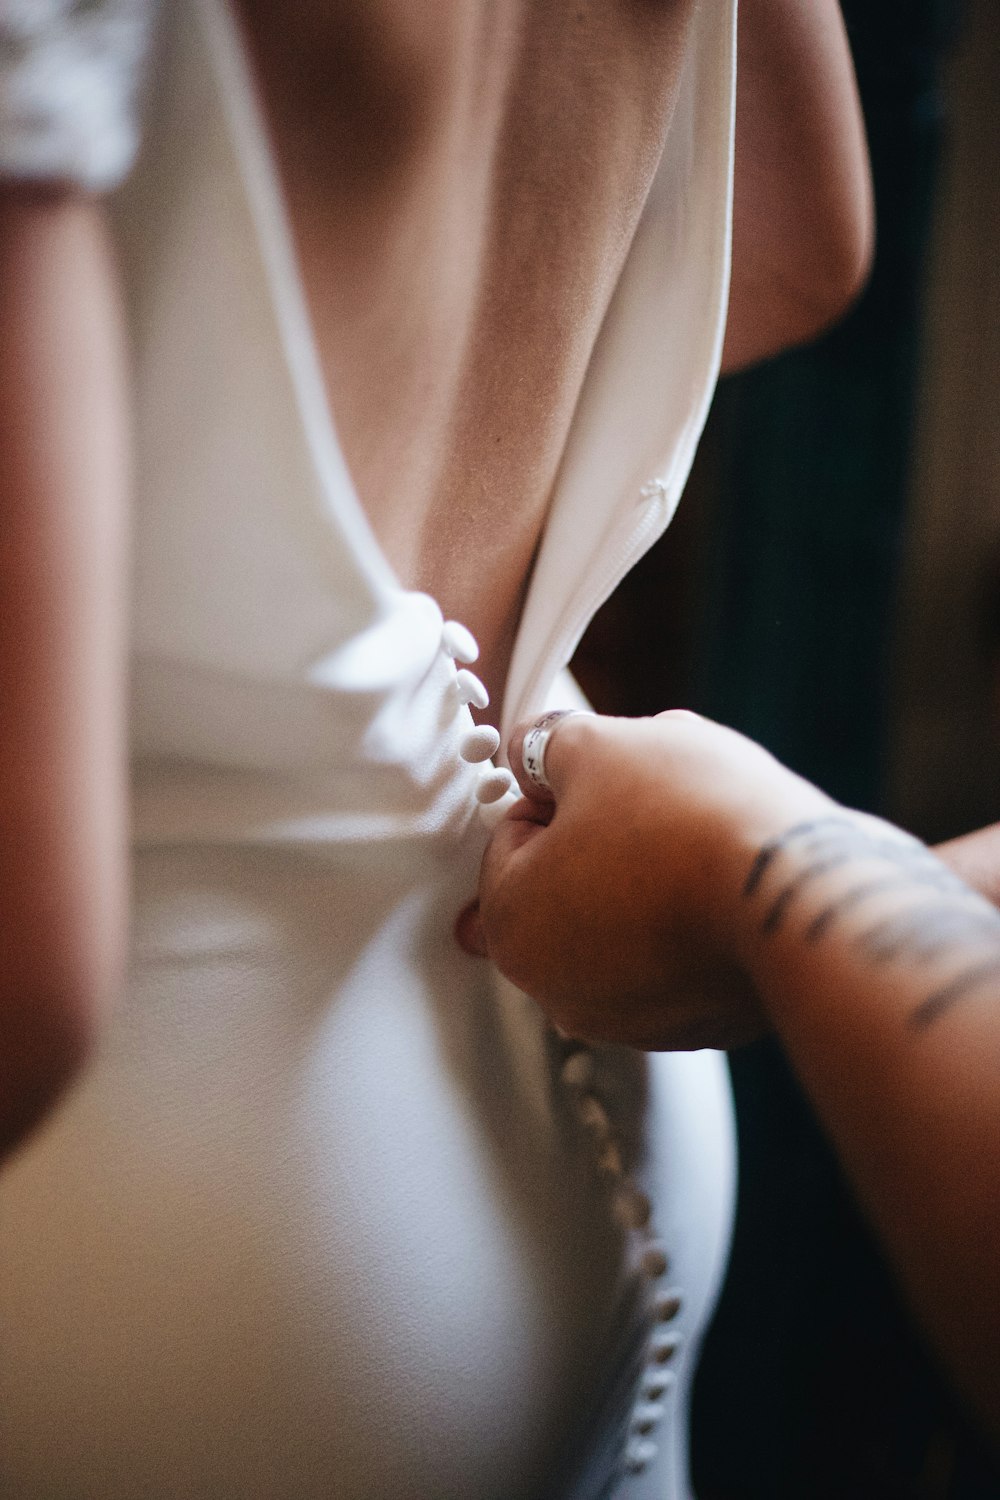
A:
x: 803, y: 221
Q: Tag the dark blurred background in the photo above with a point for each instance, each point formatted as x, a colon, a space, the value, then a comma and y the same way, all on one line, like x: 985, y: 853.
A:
x: 831, y: 586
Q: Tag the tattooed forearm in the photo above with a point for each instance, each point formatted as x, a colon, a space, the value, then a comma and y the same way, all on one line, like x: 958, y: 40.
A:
x: 935, y: 919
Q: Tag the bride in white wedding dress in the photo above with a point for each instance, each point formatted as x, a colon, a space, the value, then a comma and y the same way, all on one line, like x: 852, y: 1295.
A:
x: 424, y: 315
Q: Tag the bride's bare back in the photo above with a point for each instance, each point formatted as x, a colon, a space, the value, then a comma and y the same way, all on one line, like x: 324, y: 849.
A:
x: 464, y: 181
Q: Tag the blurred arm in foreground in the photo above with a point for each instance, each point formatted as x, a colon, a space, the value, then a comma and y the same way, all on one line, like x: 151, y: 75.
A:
x: 69, y: 72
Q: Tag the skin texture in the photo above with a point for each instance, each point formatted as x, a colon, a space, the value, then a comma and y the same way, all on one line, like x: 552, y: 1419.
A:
x: 676, y: 859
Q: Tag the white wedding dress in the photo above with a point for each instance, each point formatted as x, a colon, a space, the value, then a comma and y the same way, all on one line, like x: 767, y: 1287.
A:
x: 335, y: 1213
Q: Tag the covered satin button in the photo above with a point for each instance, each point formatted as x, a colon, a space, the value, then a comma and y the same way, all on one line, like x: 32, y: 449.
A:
x: 647, y: 1415
x: 609, y: 1160
x: 470, y: 689
x: 654, y: 1261
x: 639, y: 1454
x: 657, y: 1384
x: 578, y: 1069
x: 663, y: 1348
x: 493, y: 784
x: 632, y: 1208
x: 594, y: 1116
x: 479, y: 744
x: 459, y: 642
x: 666, y: 1306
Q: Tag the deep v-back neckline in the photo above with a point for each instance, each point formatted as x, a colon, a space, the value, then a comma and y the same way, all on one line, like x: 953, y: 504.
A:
x: 631, y: 439
x: 256, y: 155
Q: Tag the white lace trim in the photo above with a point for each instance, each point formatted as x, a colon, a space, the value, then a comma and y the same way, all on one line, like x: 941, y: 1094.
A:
x: 69, y: 77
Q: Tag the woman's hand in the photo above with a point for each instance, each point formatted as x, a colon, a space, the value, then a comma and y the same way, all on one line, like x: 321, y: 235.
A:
x: 618, y: 902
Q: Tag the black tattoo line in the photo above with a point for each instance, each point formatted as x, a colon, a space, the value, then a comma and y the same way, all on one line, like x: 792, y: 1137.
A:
x: 929, y: 1010
x: 769, y: 853
x: 845, y: 845
x: 929, y: 931
x: 824, y: 836
x: 921, y: 874
x: 854, y: 897
x: 776, y: 913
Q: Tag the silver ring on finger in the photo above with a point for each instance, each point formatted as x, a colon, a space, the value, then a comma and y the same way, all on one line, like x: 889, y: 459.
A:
x: 535, y: 744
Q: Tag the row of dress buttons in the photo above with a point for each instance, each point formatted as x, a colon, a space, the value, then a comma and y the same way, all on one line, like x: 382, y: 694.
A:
x: 496, y: 789
x: 634, y: 1212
